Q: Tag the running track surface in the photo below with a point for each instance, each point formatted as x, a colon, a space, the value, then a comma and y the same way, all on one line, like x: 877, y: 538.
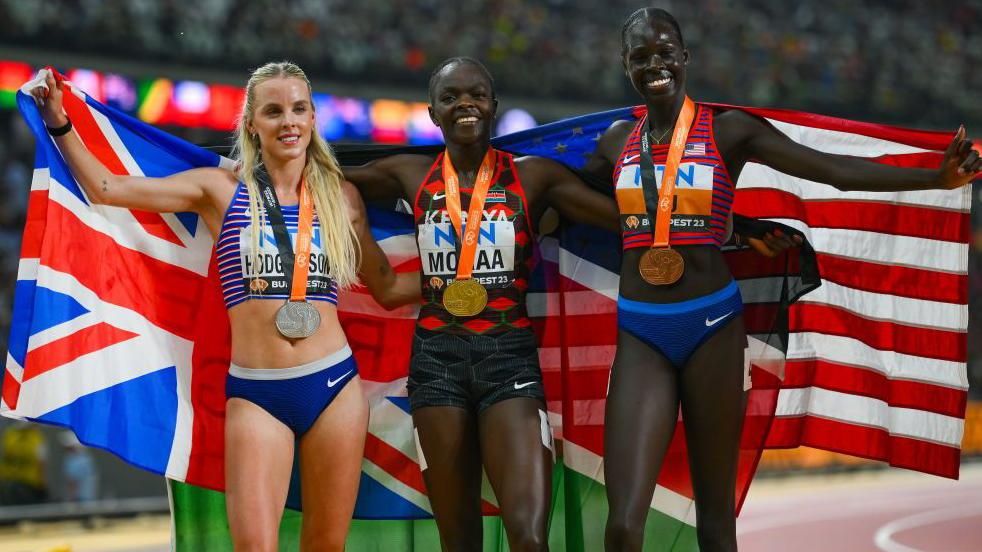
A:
x: 891, y: 511
x: 888, y: 510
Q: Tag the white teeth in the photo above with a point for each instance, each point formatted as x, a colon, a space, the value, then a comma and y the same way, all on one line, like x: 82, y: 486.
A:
x: 659, y: 82
x: 466, y: 120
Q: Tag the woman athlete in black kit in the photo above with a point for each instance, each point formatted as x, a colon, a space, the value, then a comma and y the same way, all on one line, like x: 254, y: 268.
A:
x: 682, y: 343
x: 475, y: 388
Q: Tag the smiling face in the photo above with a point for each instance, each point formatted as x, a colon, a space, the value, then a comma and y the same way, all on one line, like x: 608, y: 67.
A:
x: 462, y: 103
x: 655, y: 59
x: 283, y: 118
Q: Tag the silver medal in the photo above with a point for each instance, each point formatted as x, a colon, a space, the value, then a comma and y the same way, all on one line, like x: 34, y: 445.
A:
x: 297, y: 319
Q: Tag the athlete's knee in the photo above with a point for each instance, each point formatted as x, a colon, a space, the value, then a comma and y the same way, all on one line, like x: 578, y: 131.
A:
x: 462, y: 542
x: 254, y: 538
x: 716, y: 533
x: 713, y: 540
x: 624, y: 532
x: 526, y: 518
x: 527, y: 537
x: 323, y: 542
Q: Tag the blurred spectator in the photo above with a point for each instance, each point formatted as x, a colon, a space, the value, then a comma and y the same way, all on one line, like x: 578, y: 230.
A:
x: 22, y: 465
x: 79, y: 470
x: 901, y: 61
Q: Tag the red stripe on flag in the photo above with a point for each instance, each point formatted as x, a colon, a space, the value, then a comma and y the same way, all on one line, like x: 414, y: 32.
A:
x: 209, y: 368
x: 158, y: 290
x: 402, y: 467
x: 858, y: 380
x: 37, y: 212
x: 583, y: 384
x: 866, y: 442
x: 923, y: 139
x: 11, y: 389
x: 883, y: 335
x: 871, y: 216
x: 88, y: 130
x: 591, y: 329
x: 82, y: 342
x: 916, y: 283
x: 91, y: 134
x: 381, y: 345
x: 394, y: 462
x: 903, y: 281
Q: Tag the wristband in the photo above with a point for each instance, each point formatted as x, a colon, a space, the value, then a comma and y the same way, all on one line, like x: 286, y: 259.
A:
x: 60, y: 131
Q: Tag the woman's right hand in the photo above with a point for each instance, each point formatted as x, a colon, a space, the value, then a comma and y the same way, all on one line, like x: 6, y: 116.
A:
x: 48, y: 96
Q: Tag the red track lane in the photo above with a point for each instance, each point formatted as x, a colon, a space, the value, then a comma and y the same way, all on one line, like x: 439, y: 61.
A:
x: 891, y: 511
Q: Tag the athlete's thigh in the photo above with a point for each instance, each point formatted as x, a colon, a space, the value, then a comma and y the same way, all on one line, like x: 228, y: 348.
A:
x: 641, y: 414
x: 516, y: 448
x: 451, y: 462
x: 713, y: 408
x: 330, y: 467
x: 258, y: 462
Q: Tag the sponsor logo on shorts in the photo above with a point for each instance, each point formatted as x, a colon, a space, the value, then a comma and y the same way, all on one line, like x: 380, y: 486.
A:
x: 523, y: 385
x: 714, y: 321
x: 333, y: 382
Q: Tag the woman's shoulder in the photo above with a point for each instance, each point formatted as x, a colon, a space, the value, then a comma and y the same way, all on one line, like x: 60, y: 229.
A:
x: 613, y: 140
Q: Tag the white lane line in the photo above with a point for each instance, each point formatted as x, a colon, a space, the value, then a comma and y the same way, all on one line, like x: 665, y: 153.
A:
x: 884, y: 535
x: 839, y: 505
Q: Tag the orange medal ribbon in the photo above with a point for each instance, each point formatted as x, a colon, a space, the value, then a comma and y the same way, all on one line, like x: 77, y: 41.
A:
x: 661, y: 265
x: 301, y: 261
x: 465, y: 296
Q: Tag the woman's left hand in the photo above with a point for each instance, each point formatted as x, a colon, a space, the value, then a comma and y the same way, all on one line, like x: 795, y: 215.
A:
x: 773, y: 243
x: 961, y: 162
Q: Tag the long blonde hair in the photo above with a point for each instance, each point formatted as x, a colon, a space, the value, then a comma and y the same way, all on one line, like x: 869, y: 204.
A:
x: 322, y: 175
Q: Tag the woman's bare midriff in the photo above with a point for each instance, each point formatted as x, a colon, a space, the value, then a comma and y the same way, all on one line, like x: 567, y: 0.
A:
x: 257, y: 344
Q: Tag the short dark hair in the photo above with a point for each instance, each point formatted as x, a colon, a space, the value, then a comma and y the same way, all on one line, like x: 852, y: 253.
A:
x: 648, y: 14
x: 434, y: 76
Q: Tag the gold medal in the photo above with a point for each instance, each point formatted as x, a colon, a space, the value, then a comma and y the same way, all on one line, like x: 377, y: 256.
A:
x: 661, y: 266
x: 465, y: 297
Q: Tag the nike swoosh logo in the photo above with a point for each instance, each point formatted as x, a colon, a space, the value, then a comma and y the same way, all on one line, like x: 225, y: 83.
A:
x: 630, y: 158
x: 438, y: 196
x: 524, y: 385
x: 333, y: 382
x: 715, y: 320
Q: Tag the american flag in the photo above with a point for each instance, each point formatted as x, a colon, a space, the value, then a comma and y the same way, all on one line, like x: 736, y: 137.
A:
x: 119, y: 334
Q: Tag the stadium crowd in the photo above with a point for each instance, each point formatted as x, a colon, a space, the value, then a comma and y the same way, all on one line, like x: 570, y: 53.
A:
x: 898, y: 61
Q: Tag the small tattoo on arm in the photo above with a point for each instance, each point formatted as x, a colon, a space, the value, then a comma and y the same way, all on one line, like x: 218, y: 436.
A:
x: 105, y: 186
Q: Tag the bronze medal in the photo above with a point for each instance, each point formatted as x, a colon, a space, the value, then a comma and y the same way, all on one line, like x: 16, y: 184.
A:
x: 465, y: 297
x: 662, y: 266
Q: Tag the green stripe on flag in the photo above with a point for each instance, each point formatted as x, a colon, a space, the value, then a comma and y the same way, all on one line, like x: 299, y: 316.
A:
x: 576, y: 524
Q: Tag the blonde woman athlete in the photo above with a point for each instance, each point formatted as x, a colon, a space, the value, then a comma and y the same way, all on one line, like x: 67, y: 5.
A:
x: 292, y: 376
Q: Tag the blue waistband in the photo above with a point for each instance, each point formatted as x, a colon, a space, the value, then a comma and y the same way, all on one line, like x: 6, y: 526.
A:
x: 681, y: 306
